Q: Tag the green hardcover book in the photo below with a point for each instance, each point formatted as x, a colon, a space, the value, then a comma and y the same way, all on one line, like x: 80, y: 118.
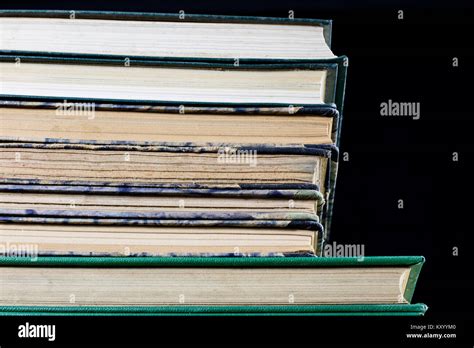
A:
x: 209, y: 286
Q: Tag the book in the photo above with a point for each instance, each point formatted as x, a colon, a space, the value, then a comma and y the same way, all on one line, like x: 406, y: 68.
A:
x: 59, y: 78
x: 155, y: 124
x: 148, y: 237
x: 123, y: 164
x: 210, y: 286
x: 156, y: 35
x: 159, y: 200
x: 109, y: 200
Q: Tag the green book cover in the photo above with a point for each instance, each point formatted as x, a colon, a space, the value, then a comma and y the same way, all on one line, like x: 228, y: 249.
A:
x: 414, y: 263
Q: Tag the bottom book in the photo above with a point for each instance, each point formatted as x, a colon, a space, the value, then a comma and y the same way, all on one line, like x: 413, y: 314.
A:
x: 209, y: 286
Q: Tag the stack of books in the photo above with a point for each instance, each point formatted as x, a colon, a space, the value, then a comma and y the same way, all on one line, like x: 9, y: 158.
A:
x: 176, y: 164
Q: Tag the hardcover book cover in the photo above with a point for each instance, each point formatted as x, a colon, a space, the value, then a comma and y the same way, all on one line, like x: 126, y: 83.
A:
x: 414, y: 264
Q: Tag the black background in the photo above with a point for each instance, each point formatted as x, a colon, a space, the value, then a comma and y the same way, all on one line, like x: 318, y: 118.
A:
x: 390, y: 158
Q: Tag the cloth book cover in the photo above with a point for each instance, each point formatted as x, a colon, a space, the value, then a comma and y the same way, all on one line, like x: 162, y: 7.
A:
x: 404, y: 308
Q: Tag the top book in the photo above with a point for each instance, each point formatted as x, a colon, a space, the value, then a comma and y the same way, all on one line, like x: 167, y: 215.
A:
x: 179, y: 36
